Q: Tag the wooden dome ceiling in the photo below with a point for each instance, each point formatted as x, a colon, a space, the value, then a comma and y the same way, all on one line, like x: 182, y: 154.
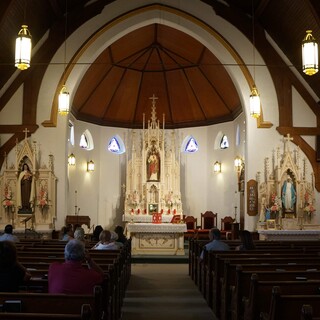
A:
x: 192, y: 86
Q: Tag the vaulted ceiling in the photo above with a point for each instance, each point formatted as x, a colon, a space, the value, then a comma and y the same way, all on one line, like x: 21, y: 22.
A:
x: 193, y: 86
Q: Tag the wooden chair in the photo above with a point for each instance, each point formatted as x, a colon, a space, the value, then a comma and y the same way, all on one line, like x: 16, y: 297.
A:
x: 209, y: 220
x: 191, y: 223
x: 226, y: 227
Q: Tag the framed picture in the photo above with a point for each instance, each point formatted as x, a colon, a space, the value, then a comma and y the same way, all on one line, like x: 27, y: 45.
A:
x: 153, y: 208
x: 271, y: 224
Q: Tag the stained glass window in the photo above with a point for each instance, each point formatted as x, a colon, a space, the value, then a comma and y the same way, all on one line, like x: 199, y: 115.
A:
x: 224, y: 143
x: 116, y: 145
x: 189, y: 145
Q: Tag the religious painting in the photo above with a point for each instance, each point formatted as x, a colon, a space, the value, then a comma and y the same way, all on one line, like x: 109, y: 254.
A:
x: 153, y: 208
x: 153, y: 166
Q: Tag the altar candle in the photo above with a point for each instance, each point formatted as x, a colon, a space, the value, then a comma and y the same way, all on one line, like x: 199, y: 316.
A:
x: 75, y: 198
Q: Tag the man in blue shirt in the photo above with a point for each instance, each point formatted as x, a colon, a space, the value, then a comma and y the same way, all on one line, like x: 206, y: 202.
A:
x: 215, y: 243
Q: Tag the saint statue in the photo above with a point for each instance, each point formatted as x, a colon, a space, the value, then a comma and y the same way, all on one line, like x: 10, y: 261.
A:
x: 25, y: 194
x: 288, y: 195
x: 153, y: 167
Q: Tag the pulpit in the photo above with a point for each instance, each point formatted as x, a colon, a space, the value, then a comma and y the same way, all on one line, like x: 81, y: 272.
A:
x: 80, y: 220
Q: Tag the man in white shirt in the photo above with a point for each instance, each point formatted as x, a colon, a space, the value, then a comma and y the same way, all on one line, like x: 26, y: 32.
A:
x: 8, y: 236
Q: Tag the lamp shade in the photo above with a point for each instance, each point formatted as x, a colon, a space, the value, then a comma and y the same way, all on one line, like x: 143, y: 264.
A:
x: 310, y: 64
x: 255, y: 103
x: 72, y: 160
x: 64, y: 101
x: 23, y: 49
x: 217, y: 167
x: 90, y: 166
x: 237, y: 163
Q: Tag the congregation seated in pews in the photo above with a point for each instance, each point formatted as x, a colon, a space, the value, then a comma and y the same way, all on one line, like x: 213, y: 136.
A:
x: 38, y: 255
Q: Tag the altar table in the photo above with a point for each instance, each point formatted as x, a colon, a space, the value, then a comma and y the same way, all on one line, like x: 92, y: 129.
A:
x: 157, y: 239
x: 289, y: 235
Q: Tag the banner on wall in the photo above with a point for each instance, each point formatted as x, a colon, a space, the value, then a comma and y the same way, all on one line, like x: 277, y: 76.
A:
x: 252, y: 197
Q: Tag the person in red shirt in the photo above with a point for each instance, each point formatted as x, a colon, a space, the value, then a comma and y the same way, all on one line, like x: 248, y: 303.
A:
x: 72, y: 276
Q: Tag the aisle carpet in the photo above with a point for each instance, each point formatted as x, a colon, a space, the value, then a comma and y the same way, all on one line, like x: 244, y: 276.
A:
x: 163, y: 291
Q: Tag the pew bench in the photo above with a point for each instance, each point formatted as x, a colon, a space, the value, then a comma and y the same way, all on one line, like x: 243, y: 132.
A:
x: 290, y: 306
x: 259, y: 299
x: 57, y: 304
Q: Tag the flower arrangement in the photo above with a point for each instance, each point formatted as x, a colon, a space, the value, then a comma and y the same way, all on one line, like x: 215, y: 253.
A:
x: 7, y: 202
x: 42, y: 198
x: 309, y: 209
x: 275, y: 207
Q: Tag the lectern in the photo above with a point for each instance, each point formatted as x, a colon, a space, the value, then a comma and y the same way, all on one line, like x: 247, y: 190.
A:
x: 78, y: 220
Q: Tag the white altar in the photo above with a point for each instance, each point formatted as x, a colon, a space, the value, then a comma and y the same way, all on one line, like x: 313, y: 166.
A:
x: 157, y: 239
x: 289, y: 235
x: 153, y: 172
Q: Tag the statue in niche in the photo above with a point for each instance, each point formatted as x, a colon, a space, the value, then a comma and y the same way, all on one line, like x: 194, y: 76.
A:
x: 153, y: 166
x: 25, y: 194
x: 288, y: 195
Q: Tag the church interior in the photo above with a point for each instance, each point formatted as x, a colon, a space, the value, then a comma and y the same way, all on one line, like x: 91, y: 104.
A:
x: 155, y: 115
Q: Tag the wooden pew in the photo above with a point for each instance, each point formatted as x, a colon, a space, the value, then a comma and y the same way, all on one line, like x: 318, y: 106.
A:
x: 242, y: 287
x: 259, y: 298
x: 45, y: 303
x: 290, y: 306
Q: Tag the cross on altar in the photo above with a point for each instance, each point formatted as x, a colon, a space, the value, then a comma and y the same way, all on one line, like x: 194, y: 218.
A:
x: 286, y: 139
x: 26, y: 133
x: 153, y: 98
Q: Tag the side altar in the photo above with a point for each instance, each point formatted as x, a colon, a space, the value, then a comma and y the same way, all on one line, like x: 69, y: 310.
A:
x: 286, y: 196
x: 28, y: 190
x: 153, y: 173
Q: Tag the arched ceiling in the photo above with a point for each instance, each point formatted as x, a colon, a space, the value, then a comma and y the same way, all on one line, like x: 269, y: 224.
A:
x: 191, y: 85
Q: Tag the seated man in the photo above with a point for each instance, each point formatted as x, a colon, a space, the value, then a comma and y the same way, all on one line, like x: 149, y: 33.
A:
x: 8, y: 234
x: 71, y: 276
x: 215, y: 243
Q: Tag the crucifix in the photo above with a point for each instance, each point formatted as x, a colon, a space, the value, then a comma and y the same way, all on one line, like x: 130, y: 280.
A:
x: 26, y: 133
x: 286, y: 139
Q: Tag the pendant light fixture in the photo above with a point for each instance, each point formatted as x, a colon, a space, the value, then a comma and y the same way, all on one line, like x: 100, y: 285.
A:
x: 64, y: 96
x: 310, y: 64
x: 23, y: 46
x: 254, y: 101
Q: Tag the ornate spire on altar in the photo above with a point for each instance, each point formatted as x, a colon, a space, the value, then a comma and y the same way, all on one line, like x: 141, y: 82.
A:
x: 152, y: 172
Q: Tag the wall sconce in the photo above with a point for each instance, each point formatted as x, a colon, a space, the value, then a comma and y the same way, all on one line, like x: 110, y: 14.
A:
x: 23, y: 49
x: 238, y: 164
x: 217, y: 167
x: 309, y: 54
x: 71, y: 160
x: 90, y: 166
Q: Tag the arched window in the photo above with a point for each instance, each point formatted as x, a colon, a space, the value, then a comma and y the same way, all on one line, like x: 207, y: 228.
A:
x: 116, y: 145
x: 86, y: 141
x: 238, y: 136
x: 71, y: 132
x: 189, y: 145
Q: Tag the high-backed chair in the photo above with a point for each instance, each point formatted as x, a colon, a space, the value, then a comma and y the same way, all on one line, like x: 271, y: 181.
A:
x: 191, y: 223
x: 209, y: 220
x: 226, y: 227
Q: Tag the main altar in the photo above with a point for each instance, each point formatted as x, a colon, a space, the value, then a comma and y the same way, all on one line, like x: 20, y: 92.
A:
x: 153, y: 189
x: 153, y: 173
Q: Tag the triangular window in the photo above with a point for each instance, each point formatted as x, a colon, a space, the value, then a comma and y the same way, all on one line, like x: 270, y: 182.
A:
x: 189, y: 145
x: 116, y: 145
x: 86, y: 141
x: 224, y: 143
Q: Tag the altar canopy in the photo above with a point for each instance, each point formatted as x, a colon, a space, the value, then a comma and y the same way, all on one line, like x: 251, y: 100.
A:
x: 153, y: 172
x: 28, y: 190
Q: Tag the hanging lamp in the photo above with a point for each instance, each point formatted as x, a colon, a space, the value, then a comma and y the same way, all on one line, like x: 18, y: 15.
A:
x: 254, y: 101
x: 23, y: 48
x: 310, y: 64
x: 64, y: 96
